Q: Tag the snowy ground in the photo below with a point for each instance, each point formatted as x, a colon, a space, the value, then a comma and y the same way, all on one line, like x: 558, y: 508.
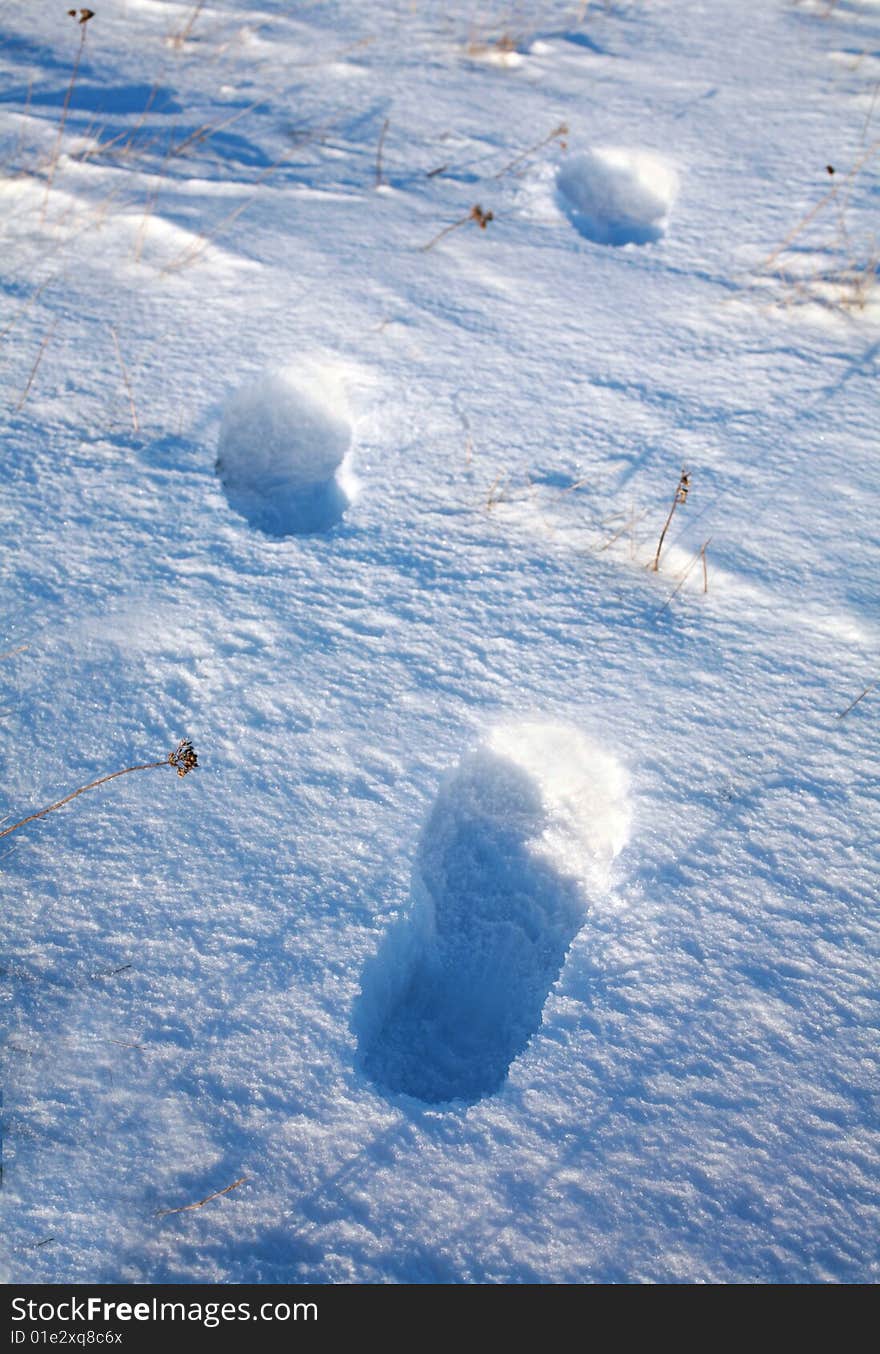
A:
x: 520, y: 923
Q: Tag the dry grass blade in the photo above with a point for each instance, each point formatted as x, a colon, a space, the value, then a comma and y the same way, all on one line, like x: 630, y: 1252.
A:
x: 853, y: 277
x: 701, y: 554
x: 558, y: 133
x: 852, y: 705
x: 379, y: 150
x: 85, y: 15
x: 195, y: 250
x: 629, y: 525
x: 186, y: 1208
x: 47, y: 338
x: 122, y: 367
x: 178, y: 39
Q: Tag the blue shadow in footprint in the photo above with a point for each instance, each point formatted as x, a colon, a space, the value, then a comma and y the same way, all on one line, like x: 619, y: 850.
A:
x: 458, y: 989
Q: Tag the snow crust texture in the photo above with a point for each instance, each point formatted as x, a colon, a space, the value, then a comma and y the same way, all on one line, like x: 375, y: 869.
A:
x: 282, y: 445
x: 376, y: 960
x: 617, y: 197
x: 517, y: 837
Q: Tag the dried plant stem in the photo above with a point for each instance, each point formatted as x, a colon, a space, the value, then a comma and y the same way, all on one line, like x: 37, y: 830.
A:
x: 629, y: 525
x: 47, y: 337
x: 195, y: 250
x: 842, y: 188
x: 860, y: 696
x: 185, y: 1208
x: 379, y: 149
x: 182, y: 758
x: 701, y: 554
x: 705, y: 566
x: 492, y: 497
x: 445, y: 231
x: 128, y: 136
x: 476, y: 213
x: 209, y: 129
x: 202, y: 133
x: 558, y: 132
x: 26, y: 305
x: 84, y: 28
x: 17, y: 154
x: 178, y: 39
x: 681, y: 493
x: 122, y: 367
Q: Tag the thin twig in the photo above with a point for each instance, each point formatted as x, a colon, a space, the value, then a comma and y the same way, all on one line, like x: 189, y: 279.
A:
x: 122, y: 367
x: 492, y: 498
x: 26, y: 305
x: 18, y: 153
x: 185, y: 1208
x: 30, y: 380
x: 209, y: 129
x: 681, y: 493
x: 560, y: 131
x: 128, y: 134
x: 841, y: 186
x: 476, y: 213
x: 861, y: 696
x: 178, y: 39
x: 379, y: 150
x: 627, y: 526
x: 194, y: 251
x: 684, y: 577
x: 84, y: 28
x: 183, y: 759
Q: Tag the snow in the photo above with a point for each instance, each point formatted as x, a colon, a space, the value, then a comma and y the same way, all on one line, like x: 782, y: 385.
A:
x: 498, y: 897
x: 282, y: 445
x: 520, y: 922
x: 617, y: 196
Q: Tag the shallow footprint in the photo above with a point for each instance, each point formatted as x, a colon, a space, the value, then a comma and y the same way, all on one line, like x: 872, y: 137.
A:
x: 519, y: 837
x: 282, y: 451
x: 615, y: 196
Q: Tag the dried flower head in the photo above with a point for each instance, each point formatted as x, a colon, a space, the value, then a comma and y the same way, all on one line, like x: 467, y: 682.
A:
x: 482, y: 218
x: 183, y: 757
x: 84, y: 15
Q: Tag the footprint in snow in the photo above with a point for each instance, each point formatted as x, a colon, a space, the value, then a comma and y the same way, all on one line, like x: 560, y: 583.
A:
x: 520, y: 836
x: 616, y: 196
x: 284, y: 443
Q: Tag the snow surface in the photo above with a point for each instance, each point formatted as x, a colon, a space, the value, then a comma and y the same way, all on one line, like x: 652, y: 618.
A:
x: 282, y: 445
x: 520, y: 923
x: 616, y: 196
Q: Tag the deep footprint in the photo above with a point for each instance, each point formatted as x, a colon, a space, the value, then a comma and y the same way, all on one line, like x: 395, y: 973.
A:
x: 617, y: 196
x: 281, y: 455
x: 519, y: 837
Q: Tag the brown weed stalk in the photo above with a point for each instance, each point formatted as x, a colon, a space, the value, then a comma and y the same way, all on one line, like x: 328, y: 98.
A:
x: 183, y: 758
x: 476, y: 213
x: 84, y: 16
x: 681, y: 493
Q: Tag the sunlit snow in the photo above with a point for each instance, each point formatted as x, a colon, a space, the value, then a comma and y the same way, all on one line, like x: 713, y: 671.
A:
x: 520, y: 922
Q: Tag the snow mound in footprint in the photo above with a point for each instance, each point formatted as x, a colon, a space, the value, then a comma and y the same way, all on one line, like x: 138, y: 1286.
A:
x: 282, y: 453
x: 521, y: 837
x: 616, y: 196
